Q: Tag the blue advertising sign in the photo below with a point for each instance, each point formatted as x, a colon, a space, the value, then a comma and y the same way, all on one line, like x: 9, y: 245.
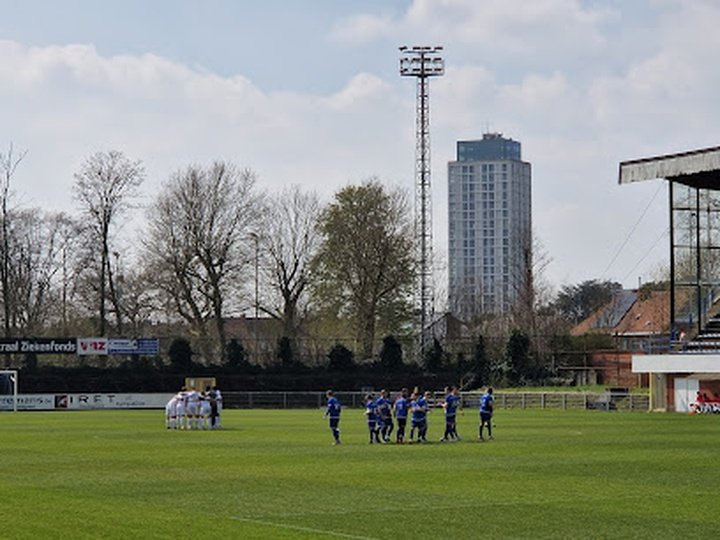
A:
x: 140, y: 346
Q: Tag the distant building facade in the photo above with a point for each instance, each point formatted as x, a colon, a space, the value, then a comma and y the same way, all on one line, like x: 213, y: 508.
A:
x: 489, y: 227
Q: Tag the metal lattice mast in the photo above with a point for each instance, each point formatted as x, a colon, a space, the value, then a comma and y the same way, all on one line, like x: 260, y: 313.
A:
x: 423, y: 63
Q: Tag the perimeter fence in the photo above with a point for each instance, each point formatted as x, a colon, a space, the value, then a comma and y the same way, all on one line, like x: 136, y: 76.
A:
x: 605, y: 401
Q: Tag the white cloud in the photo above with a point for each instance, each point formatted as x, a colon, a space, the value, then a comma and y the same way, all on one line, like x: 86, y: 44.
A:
x: 362, y: 28
x: 581, y: 86
x: 531, y: 34
x: 363, y: 88
x: 63, y: 103
x: 512, y: 26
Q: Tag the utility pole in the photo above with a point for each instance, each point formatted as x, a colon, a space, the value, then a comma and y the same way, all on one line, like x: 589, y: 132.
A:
x: 423, y: 63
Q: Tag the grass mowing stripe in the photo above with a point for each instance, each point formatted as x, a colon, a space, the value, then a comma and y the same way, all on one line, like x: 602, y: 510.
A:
x: 303, y: 529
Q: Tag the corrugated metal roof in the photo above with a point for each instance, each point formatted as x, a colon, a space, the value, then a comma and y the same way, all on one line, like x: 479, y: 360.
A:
x: 612, y: 314
x: 684, y: 164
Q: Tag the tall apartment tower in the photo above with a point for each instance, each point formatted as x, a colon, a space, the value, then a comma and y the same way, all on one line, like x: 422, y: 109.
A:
x: 490, y: 231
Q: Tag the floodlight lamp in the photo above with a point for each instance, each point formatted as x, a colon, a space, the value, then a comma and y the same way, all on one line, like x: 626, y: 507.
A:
x: 410, y: 66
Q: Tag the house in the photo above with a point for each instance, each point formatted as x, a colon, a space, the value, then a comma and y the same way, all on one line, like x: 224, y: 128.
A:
x: 637, y: 320
x: 637, y: 323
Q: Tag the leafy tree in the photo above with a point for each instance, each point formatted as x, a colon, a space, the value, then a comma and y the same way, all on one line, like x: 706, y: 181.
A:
x: 576, y: 302
x: 180, y: 354
x: 31, y: 363
x: 365, y: 266
x: 391, y: 354
x: 518, y: 356
x: 647, y: 288
x: 434, y: 357
x: 285, y: 352
x: 104, y: 187
x: 480, y: 371
x: 340, y: 358
x: 236, y: 354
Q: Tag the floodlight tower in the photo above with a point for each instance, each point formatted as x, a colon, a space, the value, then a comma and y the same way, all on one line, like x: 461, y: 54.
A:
x: 423, y: 63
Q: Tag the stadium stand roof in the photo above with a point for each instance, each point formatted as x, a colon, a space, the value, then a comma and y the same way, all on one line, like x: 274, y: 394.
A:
x: 702, y: 365
x: 695, y: 168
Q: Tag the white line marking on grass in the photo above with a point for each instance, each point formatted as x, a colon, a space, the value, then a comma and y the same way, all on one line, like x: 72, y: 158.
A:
x: 302, y: 529
x: 411, y: 508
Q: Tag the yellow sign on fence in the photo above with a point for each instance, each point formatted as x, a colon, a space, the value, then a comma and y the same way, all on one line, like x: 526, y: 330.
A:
x: 199, y: 383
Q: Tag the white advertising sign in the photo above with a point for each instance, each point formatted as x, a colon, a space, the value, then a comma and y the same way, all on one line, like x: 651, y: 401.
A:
x: 29, y: 402
x: 50, y: 402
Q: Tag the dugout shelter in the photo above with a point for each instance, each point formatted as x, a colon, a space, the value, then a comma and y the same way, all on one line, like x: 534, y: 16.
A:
x: 692, y: 362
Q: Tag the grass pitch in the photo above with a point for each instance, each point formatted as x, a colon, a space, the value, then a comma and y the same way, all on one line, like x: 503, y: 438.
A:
x: 274, y: 474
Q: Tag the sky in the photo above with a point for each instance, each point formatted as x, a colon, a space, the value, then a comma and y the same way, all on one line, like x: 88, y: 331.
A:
x: 307, y: 92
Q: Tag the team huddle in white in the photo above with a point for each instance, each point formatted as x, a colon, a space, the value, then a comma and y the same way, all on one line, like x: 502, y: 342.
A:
x: 190, y: 409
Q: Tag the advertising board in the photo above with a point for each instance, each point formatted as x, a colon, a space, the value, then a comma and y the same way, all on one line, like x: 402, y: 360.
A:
x: 89, y: 401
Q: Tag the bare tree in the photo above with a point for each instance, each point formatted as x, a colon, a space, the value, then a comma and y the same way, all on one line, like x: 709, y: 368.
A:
x: 8, y: 165
x: 137, y: 299
x: 198, y: 242
x: 289, y: 240
x: 36, y: 245
x: 67, y: 241
x: 105, y: 187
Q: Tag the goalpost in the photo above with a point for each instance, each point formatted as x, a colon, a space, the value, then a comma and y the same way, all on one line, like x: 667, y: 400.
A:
x: 9, y: 387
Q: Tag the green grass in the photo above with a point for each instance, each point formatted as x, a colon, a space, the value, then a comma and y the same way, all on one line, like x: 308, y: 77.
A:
x: 274, y: 474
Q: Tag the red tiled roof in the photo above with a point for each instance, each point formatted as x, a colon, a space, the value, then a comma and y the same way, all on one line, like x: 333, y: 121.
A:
x: 648, y: 315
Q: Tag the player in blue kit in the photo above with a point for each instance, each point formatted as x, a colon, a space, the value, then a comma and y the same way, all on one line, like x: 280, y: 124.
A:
x: 400, y: 409
x: 372, y: 419
x: 414, y: 417
x: 333, y: 414
x: 486, y: 413
x: 384, y: 415
x: 451, y: 404
x: 419, y: 407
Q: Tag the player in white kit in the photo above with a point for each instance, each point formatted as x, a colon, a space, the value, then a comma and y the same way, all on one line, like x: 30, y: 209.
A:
x: 192, y: 409
x: 219, y: 403
x: 171, y: 413
x: 205, y: 411
x: 180, y: 409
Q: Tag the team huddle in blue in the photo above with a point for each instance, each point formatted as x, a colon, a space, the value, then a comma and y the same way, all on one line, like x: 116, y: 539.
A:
x: 382, y: 414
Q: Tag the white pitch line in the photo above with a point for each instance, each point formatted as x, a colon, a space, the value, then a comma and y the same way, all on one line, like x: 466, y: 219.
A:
x: 341, y: 512
x: 411, y: 508
x: 303, y: 529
